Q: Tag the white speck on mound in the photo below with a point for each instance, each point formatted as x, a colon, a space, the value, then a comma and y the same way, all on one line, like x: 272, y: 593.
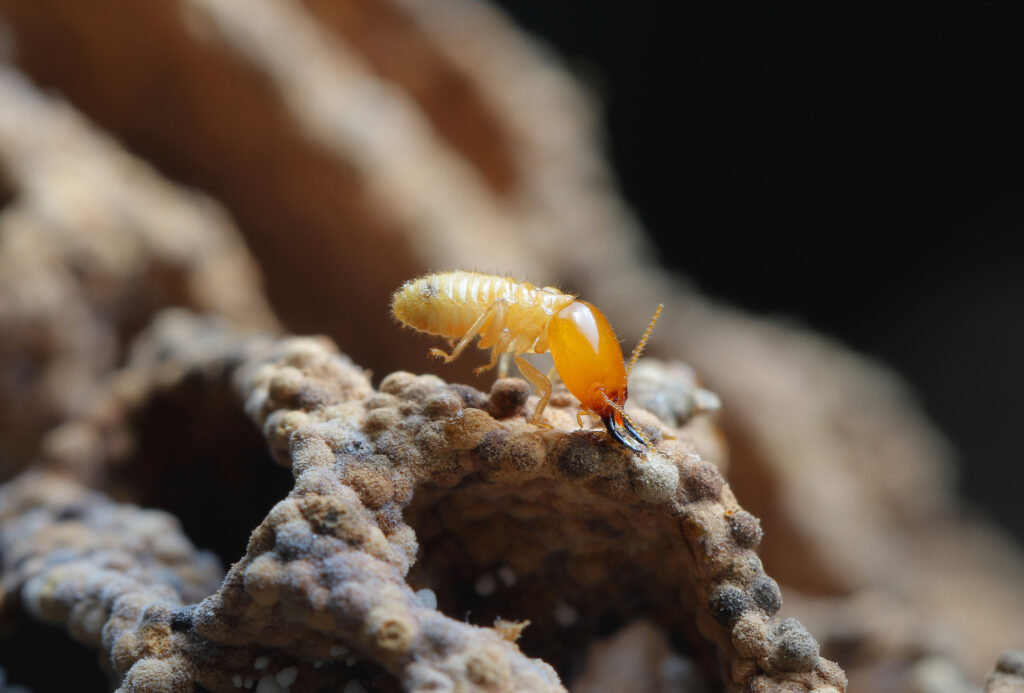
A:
x: 248, y: 682
x: 287, y: 676
x: 261, y: 662
x: 267, y: 684
x: 485, y: 585
x: 507, y: 576
x: 354, y: 686
x: 427, y: 598
x: 236, y: 680
x: 350, y: 661
x: 565, y: 615
x: 318, y: 663
x: 336, y: 650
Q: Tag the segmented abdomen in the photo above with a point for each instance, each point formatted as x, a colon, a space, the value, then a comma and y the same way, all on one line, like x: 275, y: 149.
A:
x: 448, y: 303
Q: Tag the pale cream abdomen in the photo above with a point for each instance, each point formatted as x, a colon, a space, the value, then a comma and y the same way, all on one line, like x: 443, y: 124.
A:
x: 448, y: 303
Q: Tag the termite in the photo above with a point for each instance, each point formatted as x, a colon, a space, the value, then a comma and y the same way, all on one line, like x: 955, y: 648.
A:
x: 515, y: 317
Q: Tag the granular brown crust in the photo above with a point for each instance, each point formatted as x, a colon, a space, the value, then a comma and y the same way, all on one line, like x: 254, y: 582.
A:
x: 390, y: 486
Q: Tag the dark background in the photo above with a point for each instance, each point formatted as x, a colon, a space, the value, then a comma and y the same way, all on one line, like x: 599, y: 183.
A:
x: 860, y: 170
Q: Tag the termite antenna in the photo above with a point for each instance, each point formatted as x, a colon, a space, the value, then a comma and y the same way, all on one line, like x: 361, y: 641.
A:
x: 639, y: 349
x: 627, y: 423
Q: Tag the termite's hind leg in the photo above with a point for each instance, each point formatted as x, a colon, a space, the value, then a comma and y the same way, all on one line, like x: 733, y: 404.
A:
x: 503, y: 364
x: 472, y: 332
x: 542, y: 384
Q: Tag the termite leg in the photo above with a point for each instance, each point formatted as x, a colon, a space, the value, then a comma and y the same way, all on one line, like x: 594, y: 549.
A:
x: 542, y: 384
x: 580, y: 411
x: 503, y: 364
x: 472, y: 332
x: 500, y: 347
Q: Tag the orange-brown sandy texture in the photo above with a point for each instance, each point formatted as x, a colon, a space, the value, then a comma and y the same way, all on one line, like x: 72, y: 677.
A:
x: 407, y: 487
x: 92, y: 243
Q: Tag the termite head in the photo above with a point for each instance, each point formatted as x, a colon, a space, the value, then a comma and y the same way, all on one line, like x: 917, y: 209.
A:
x: 589, y: 360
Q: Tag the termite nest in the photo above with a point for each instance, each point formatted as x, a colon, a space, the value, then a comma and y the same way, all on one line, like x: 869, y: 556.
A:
x: 432, y: 537
x: 198, y: 507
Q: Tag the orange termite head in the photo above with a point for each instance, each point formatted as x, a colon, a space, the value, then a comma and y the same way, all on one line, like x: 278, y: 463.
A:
x: 589, y: 359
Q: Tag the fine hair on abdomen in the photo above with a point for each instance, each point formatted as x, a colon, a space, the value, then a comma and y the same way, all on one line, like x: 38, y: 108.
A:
x: 448, y: 303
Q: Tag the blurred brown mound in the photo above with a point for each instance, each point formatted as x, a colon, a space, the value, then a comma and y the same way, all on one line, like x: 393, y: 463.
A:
x: 360, y: 143
x: 1008, y: 675
x: 404, y: 136
x: 92, y: 243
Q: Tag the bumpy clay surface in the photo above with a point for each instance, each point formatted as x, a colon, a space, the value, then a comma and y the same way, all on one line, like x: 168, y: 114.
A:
x: 74, y: 557
x: 411, y: 503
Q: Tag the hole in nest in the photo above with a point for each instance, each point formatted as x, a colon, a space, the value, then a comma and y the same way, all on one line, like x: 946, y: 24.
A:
x: 7, y: 190
x: 572, y: 564
x: 29, y: 652
x: 199, y: 457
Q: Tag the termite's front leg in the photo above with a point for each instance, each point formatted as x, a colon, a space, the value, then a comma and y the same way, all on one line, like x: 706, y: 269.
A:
x: 542, y: 384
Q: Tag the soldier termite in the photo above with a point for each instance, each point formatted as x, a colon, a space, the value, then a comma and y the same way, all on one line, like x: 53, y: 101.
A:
x: 516, y: 317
